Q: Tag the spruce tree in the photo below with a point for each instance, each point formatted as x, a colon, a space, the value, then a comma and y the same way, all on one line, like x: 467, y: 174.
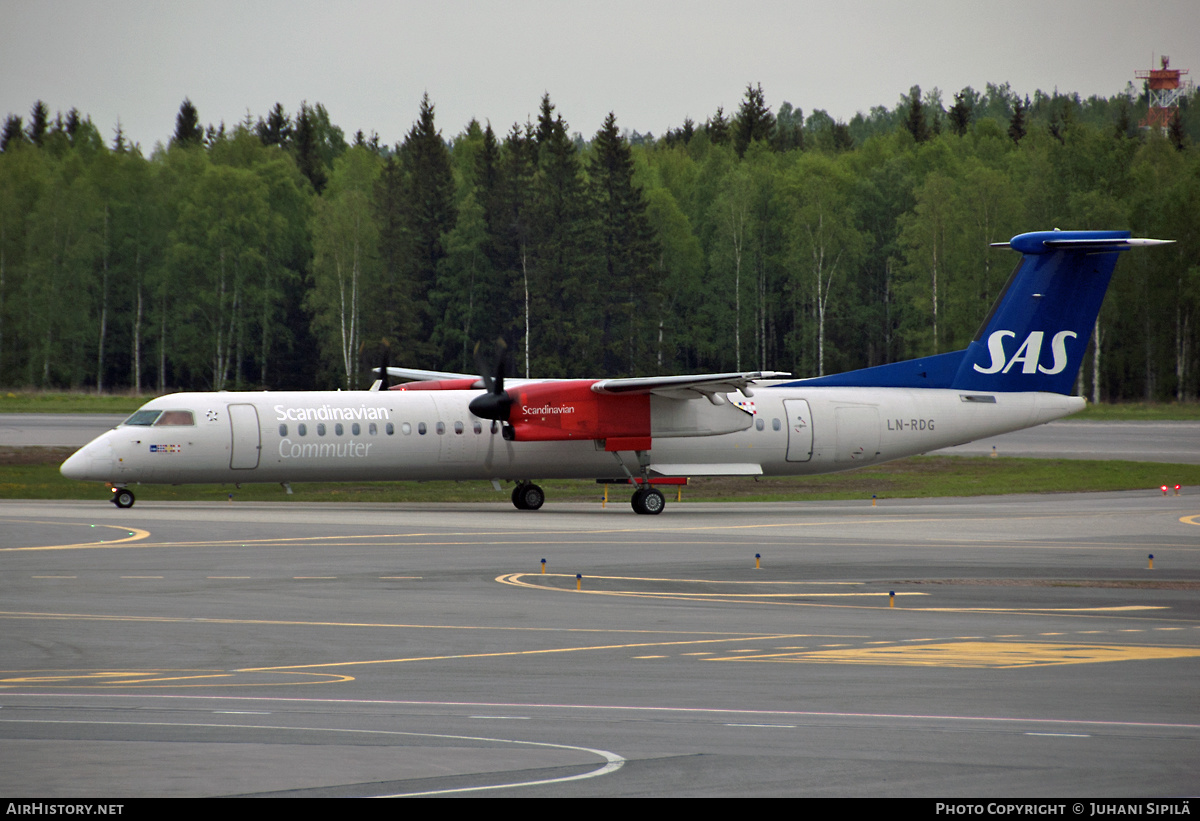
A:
x: 276, y: 129
x: 627, y: 250
x: 1016, y: 125
x: 39, y: 122
x: 14, y: 133
x: 960, y: 114
x: 557, y: 269
x: 915, y: 121
x: 1176, y: 133
x: 717, y: 128
x: 188, y: 131
x: 842, y: 141
x: 754, y: 120
x: 307, y: 150
x: 73, y: 123
x: 416, y: 198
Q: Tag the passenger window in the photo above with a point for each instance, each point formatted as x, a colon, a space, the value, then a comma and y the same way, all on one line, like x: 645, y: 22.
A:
x: 372, y: 429
x: 421, y: 428
x: 458, y: 427
x: 390, y: 429
x: 441, y: 428
x: 759, y: 424
x: 302, y: 429
x: 320, y: 429
x: 478, y: 428
x: 338, y: 429
x: 283, y: 430
x: 407, y: 428
x: 776, y: 424
x: 355, y: 429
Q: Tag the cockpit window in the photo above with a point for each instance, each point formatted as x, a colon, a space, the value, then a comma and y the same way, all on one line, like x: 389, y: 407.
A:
x: 143, y: 418
x: 176, y: 417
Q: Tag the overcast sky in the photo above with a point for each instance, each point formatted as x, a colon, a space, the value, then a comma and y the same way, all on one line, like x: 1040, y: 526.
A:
x: 652, y: 63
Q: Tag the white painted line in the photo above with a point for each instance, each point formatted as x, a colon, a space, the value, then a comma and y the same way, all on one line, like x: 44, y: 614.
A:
x: 613, y: 762
x: 1063, y: 735
x: 504, y: 718
x: 769, y: 726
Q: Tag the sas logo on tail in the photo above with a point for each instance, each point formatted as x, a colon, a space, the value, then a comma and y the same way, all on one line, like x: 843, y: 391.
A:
x: 1029, y: 354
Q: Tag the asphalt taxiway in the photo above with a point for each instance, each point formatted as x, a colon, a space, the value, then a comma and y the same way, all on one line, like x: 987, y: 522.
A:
x: 302, y: 649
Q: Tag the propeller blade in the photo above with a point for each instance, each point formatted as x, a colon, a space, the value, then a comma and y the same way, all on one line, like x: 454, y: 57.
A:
x: 495, y: 404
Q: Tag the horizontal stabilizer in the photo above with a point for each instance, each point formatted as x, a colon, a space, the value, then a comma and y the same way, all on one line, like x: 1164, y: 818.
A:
x: 1046, y: 242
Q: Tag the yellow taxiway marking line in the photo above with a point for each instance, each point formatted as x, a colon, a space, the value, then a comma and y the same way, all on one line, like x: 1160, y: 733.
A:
x: 1194, y: 519
x: 501, y: 654
x: 16, y: 614
x: 135, y: 534
x: 539, y: 574
x: 160, y: 679
x: 515, y: 579
x: 979, y: 654
x: 100, y: 679
x: 1115, y: 609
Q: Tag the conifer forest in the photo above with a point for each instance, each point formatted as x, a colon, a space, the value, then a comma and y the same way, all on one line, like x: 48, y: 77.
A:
x: 280, y: 253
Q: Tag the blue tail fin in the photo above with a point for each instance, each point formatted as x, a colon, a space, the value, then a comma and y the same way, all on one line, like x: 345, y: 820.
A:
x: 1037, y: 332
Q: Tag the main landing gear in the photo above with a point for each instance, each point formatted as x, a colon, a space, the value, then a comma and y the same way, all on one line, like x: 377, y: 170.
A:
x: 647, y: 500
x: 122, y: 497
x: 528, y: 496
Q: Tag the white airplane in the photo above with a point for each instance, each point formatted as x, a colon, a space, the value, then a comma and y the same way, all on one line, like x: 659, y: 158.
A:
x: 1018, y: 372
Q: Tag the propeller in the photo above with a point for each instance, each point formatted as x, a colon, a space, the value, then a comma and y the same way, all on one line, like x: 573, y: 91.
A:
x: 496, y: 403
x: 382, y: 383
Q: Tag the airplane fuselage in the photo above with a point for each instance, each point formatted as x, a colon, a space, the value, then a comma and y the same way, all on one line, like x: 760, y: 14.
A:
x: 430, y: 435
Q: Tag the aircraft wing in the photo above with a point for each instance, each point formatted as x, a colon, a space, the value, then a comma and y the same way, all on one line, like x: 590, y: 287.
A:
x: 417, y: 375
x: 686, y: 387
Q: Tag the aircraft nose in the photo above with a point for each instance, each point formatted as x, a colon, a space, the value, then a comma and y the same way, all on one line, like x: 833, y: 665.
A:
x: 93, y: 461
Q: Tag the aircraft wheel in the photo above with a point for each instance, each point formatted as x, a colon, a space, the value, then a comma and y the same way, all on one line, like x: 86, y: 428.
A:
x: 528, y: 497
x: 123, y: 498
x: 648, y: 501
x: 653, y: 502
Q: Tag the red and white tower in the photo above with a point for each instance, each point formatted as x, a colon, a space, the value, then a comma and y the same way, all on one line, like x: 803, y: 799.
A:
x: 1165, y: 93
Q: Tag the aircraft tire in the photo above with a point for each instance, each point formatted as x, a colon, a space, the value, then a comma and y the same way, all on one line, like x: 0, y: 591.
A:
x: 123, y: 498
x: 529, y: 497
x: 653, y: 502
x: 648, y: 501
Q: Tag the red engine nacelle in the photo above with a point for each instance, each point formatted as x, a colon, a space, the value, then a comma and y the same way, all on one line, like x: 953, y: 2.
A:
x: 554, y: 411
